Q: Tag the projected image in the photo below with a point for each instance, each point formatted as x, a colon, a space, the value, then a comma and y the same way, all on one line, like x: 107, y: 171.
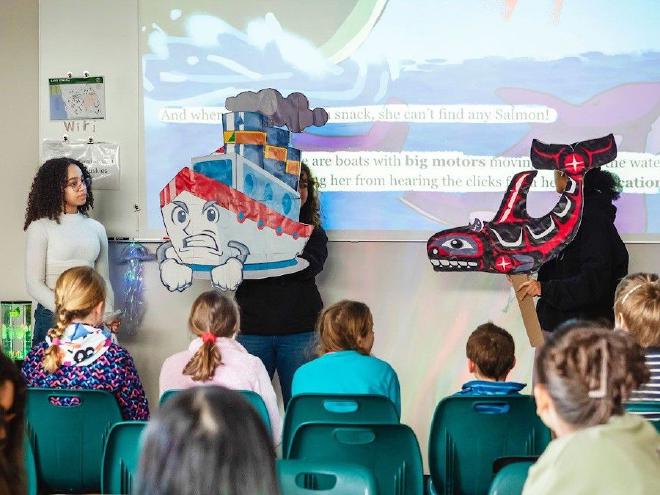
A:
x: 433, y: 104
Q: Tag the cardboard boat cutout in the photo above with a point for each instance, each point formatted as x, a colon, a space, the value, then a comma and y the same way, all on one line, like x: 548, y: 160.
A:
x: 234, y: 214
x: 513, y: 242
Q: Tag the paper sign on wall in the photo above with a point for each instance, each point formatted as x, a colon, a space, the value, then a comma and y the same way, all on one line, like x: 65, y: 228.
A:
x: 76, y: 98
x: 101, y: 159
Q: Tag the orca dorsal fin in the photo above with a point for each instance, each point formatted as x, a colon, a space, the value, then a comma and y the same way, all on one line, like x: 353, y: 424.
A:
x: 513, y: 207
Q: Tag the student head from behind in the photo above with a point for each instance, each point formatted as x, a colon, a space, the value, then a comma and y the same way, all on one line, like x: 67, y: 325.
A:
x: 346, y: 326
x: 585, y: 372
x: 637, y: 308
x: 207, y: 440
x: 12, y: 410
x: 213, y: 315
x: 490, y: 352
x: 79, y: 298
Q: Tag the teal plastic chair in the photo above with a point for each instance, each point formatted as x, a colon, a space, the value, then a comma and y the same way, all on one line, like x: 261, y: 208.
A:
x: 510, y: 479
x: 469, y: 433
x: 252, y: 397
x: 335, y: 409
x: 332, y: 478
x: 390, y: 452
x: 68, y: 440
x: 30, y: 467
x: 645, y: 408
x: 121, y: 457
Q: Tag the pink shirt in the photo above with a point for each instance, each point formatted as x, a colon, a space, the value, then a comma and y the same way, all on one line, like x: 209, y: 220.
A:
x: 239, y: 370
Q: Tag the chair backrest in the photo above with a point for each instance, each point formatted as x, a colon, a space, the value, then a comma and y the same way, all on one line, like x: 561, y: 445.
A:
x: 469, y: 433
x: 252, y: 397
x: 30, y: 467
x: 390, y: 452
x: 335, y: 409
x: 648, y: 409
x: 121, y: 457
x: 297, y: 477
x: 67, y: 430
x: 510, y: 479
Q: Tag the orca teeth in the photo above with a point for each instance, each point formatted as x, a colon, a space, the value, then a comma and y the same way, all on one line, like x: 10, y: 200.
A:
x: 440, y: 263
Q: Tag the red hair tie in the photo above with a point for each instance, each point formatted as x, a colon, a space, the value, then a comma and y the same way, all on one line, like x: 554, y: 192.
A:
x: 208, y: 338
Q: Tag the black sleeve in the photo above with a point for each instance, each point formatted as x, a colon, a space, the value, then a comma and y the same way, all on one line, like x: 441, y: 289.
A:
x: 592, y: 277
x: 315, y: 252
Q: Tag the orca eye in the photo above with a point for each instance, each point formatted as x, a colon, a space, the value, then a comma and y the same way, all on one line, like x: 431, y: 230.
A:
x: 212, y: 214
x: 179, y: 216
x: 456, y: 243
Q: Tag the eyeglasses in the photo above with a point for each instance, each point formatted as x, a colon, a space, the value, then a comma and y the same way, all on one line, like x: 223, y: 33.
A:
x: 77, y: 182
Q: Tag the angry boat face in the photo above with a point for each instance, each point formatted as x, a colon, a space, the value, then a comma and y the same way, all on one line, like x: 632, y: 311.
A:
x: 455, y: 250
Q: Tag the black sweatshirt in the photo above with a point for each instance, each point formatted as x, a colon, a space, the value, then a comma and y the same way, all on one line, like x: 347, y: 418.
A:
x: 289, y: 303
x: 580, y: 283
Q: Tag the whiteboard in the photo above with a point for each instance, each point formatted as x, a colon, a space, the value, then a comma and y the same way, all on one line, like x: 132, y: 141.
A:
x: 100, y: 37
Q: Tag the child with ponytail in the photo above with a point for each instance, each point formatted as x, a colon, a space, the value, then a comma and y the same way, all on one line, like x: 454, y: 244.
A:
x: 79, y: 352
x: 214, y: 357
x: 584, y: 374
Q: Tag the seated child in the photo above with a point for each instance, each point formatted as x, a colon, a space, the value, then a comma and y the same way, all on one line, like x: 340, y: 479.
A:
x: 12, y: 426
x: 215, y: 358
x: 79, y: 352
x: 490, y: 353
x: 206, y: 441
x: 345, y: 365
x: 637, y: 311
x: 584, y: 373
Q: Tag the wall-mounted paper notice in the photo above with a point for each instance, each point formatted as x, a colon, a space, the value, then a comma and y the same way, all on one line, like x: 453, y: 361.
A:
x: 101, y: 159
x: 77, y: 98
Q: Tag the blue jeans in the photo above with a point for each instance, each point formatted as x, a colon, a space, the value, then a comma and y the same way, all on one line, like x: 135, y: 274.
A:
x: 44, y: 319
x: 284, y: 353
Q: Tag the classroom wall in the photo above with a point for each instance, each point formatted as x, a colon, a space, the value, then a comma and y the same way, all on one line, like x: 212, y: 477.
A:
x: 19, y: 59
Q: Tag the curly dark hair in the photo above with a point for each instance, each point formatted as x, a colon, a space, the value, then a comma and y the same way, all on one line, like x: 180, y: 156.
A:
x: 604, y: 182
x: 46, y: 199
x: 310, y: 212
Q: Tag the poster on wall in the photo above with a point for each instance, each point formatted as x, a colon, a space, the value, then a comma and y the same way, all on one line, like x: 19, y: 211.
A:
x: 76, y: 98
x: 101, y: 159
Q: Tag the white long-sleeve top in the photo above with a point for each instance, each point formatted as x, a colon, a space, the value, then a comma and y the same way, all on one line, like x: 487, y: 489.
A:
x: 53, y: 248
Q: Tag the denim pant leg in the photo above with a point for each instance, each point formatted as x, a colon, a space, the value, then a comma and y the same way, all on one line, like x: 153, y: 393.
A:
x: 292, y: 351
x: 261, y: 346
x: 44, y: 319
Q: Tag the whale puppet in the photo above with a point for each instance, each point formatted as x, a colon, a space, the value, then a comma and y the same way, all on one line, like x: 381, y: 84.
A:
x: 513, y: 242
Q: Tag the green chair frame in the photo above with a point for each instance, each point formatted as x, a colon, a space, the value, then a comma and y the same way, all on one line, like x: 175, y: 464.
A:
x: 252, y: 397
x: 510, y: 480
x: 469, y: 433
x: 68, y: 441
x: 335, y: 409
x: 297, y: 477
x: 121, y: 457
x: 390, y: 451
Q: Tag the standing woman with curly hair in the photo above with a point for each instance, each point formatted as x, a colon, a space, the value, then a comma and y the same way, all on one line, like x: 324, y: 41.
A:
x: 60, y: 235
x: 278, y: 314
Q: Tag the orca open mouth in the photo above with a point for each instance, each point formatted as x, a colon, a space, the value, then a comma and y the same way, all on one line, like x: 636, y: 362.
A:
x: 446, y: 264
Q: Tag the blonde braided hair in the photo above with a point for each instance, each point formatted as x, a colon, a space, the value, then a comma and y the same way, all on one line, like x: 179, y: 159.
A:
x: 77, y: 292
